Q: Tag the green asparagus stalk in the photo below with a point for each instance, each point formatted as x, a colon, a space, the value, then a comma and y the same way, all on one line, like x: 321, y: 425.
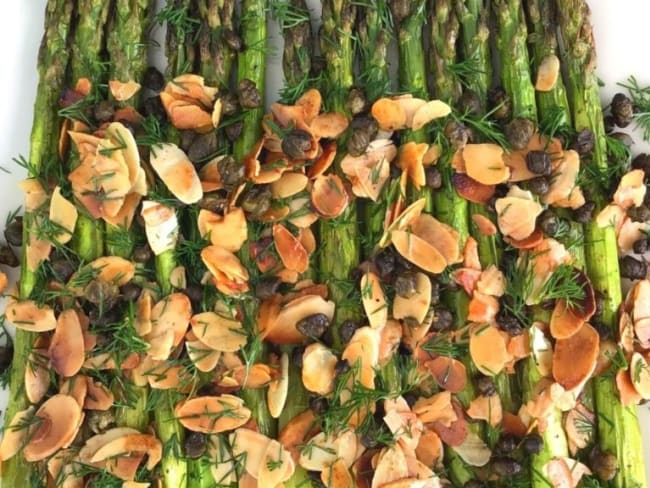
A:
x: 618, y: 426
x: 553, y: 103
x: 444, y: 31
x: 88, y: 238
x: 251, y: 65
x: 180, y: 50
x: 127, y: 42
x: 215, y: 54
x: 339, y: 250
x: 373, y: 30
x: 52, y: 66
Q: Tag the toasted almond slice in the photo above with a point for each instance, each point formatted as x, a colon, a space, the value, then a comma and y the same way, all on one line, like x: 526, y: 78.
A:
x: 218, y: 332
x: 229, y: 231
x: 123, y: 91
x: 416, y: 306
x: 171, y: 313
x: 279, y: 389
x: 131, y: 443
x: 374, y: 300
x: 329, y: 196
x: 640, y: 374
x: 485, y: 164
x: 565, y: 321
x: 389, y: 114
x: 292, y: 253
x: 37, y: 377
x: 62, y: 467
x: 631, y: 189
x: 485, y: 226
x: 486, y: 408
x: 410, y: 160
x: 27, y: 315
x: 410, y: 106
x: 487, y: 348
x: 564, y: 178
x: 492, y: 282
x: 429, y: 449
x: 15, y: 434
x: 574, y: 358
x: 473, y: 450
x: 455, y: 433
x: 517, y: 214
x: 276, y: 466
x: 402, y: 221
x: 282, y: 330
x: 327, y: 449
x: 547, y: 73
x: 626, y: 390
x: 99, y: 397
x: 434, y: 109
x: 114, y: 269
x: 59, y: 421
x: 203, y: 357
x: 440, y: 235
x: 161, y: 226
x: 212, y: 414
x: 67, y: 345
x: 391, y: 466
x: 471, y: 189
x: 542, y: 350
x: 579, y: 425
x: 297, y: 432
x: 530, y: 242
x: 337, y: 475
x: 35, y: 194
x: 418, y: 251
x: 95, y: 442
x: 310, y: 102
x: 449, y: 373
x: 371, y: 180
x: 186, y: 116
x: 76, y: 387
x: 230, y: 274
x: 289, y: 184
x: 177, y: 173
x: 250, y: 446
x: 318, y: 368
x: 482, y: 308
x: 641, y: 295
x: 364, y: 349
x: 64, y: 214
x: 328, y: 125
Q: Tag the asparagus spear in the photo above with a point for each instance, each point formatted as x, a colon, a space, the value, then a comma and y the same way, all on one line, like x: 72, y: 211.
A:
x: 215, y: 53
x: 52, y: 66
x: 339, y: 251
x: 618, y: 427
x: 252, y: 66
x: 88, y: 238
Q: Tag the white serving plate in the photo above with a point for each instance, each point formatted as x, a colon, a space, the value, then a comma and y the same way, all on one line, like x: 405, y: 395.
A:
x: 621, y: 29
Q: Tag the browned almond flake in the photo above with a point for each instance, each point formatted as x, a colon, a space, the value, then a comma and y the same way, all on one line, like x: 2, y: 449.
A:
x: 575, y: 357
x: 212, y: 414
x: 547, y: 73
x: 67, y: 345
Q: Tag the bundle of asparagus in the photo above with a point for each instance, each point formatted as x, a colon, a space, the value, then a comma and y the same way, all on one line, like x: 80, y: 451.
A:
x: 203, y: 331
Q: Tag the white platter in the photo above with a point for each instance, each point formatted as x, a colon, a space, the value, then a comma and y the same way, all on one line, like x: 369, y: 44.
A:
x: 621, y: 29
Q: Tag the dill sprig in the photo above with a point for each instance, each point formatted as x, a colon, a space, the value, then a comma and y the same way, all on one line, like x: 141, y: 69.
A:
x: 466, y: 71
x: 446, y: 345
x: 485, y: 127
x: 563, y: 284
x: 153, y: 132
x: 640, y: 96
x: 519, y: 286
x: 287, y: 14
x: 554, y: 123
x: 180, y: 19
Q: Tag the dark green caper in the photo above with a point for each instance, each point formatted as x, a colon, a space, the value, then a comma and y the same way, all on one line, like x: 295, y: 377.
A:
x: 539, y: 185
x: 405, y: 284
x: 509, y: 323
x: 623, y: 137
x: 195, y: 445
x: 639, y: 214
x: 532, y: 444
x: 584, y: 142
x: 101, y: 292
x: 233, y: 131
x: 8, y: 257
x: 357, y: 101
x: 457, y: 133
x: 342, y: 367
x: 296, y: 144
x: 153, y: 79
x: 203, y: 147
x: 130, y: 292
x: 433, y: 177
x: 641, y: 246
x: 443, y: 319
x: 347, y: 330
x: 319, y: 405
x: 358, y: 143
x: 500, y: 104
x: 435, y: 292
x: 14, y: 232
x: 632, y: 268
x: 229, y: 104
x: 584, y: 213
x: 153, y: 107
x: 603, y: 464
x: 249, y: 95
x: 486, y: 386
x: 538, y: 162
x: 313, y: 326
x: 62, y: 268
x: 256, y: 200
x: 506, y: 466
x: 519, y: 132
x: 232, y: 173
x: 214, y: 203
x: 507, y: 443
x: 549, y: 223
x: 99, y: 421
x: 103, y: 111
x: 610, y: 123
x: 267, y: 287
x: 142, y: 254
x: 385, y: 263
x: 622, y: 110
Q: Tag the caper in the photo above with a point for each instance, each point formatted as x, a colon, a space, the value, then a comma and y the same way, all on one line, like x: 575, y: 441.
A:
x: 509, y: 323
x: 405, y: 284
x: 229, y: 104
x: 457, y: 133
x: 249, y: 95
x: 632, y: 268
x: 358, y: 143
x: 142, y: 254
x: 342, y: 366
x: 296, y: 144
x: 319, y: 405
x: 101, y: 292
x: 357, y: 101
x: 486, y: 386
x: 256, y: 200
x: 505, y: 466
x: 62, y: 268
x: 8, y: 257
x: 519, y: 131
x: 267, y: 287
x: 584, y: 213
x: 314, y: 325
x: 549, y: 223
x: 385, y: 263
x: 234, y: 130
x: 347, y: 330
x: 296, y: 356
x: 622, y: 110
x: 103, y: 111
x: 623, y: 137
x: 584, y: 142
x: 232, y: 173
x: 532, y: 444
x: 153, y: 107
x: 603, y: 464
x: 539, y: 186
x: 99, y: 317
x: 500, y: 104
x: 194, y: 292
x: 214, y: 203
x: 233, y: 41
x: 507, y: 443
x: 187, y: 138
x: 640, y: 246
x: 435, y: 292
x: 153, y: 79
x: 642, y: 162
x: 14, y: 232
x: 195, y: 444
x: 130, y: 292
x: 433, y: 178
x: 442, y: 319
x: 538, y: 162
x: 99, y: 421
x: 639, y: 214
x: 203, y: 146
x: 609, y: 121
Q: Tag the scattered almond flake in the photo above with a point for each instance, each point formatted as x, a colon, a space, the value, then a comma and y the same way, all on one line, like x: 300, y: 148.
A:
x: 574, y: 358
x: 212, y: 414
x: 410, y: 160
x: 434, y: 109
x: 564, y: 472
x: 485, y: 164
x: 437, y: 408
x: 430, y: 449
x: 563, y: 190
x: 402, y: 220
x: 417, y: 306
x: 329, y: 197
x: 373, y: 300
x: 389, y: 114
x: 402, y: 422
x: 471, y: 189
x: 418, y: 251
x: 123, y: 91
x: 37, y: 378
x: 61, y: 418
x: 492, y: 282
x: 631, y: 189
x: 328, y: 125
x: 611, y: 216
x: 364, y: 349
x: 547, y: 73
x: 487, y: 349
x: 640, y: 374
x: 579, y: 425
x: 473, y: 450
x: 28, y: 315
x: 131, y: 443
x: 64, y: 214
x: 410, y: 105
x: 15, y: 436
x: 517, y: 213
x: 322, y: 450
x: 291, y: 251
x: 229, y: 231
x: 542, y: 350
x: 485, y: 226
x: 318, y: 368
x: 282, y: 327
x: 449, y: 373
x: 391, y: 466
x: 440, y: 235
x: 66, y: 350
x: 161, y: 226
x: 482, y: 308
x: 177, y: 172
x: 218, y: 332
x: 98, y: 396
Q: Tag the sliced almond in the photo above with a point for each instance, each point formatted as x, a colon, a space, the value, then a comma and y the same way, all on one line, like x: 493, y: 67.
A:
x: 289, y: 184
x: 161, y: 226
x: 563, y: 185
x: 547, y: 73
x: 337, y: 475
x: 542, y: 350
x: 389, y: 114
x: 15, y: 434
x: 417, y: 306
x: 276, y: 466
x: 63, y: 468
x: 565, y: 321
x: 64, y: 214
x: 318, y: 368
x: 626, y: 390
x: 212, y: 414
x: 449, y: 373
x: 485, y: 164
x: 402, y: 221
x: 297, y: 432
x: 291, y: 251
x: 419, y: 252
x: 631, y: 189
x: 456, y: 432
x: 59, y: 421
x: 67, y: 345
x: 203, y: 357
x: 310, y: 102
x: 76, y: 387
x: 640, y: 374
x: 410, y: 106
x: 219, y: 332
x: 278, y: 391
x: 177, y: 173
x: 574, y: 358
x: 37, y: 376
x: 434, y: 109
x: 326, y: 449
x: 391, y: 466
x: 329, y: 196
x: 114, y: 269
x: 229, y: 231
x: 487, y: 349
x: 282, y: 329
x: 230, y: 276
x: 374, y: 300
x: 473, y: 450
x: 517, y: 213
x: 250, y: 446
x: 486, y: 408
x: 440, y: 235
x: 128, y: 444
x: 363, y: 349
x: 328, y: 125
x: 171, y: 314
x: 123, y: 91
x: 27, y: 315
x: 485, y: 226
x: 99, y: 397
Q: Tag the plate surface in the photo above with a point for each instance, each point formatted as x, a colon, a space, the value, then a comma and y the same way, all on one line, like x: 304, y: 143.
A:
x: 621, y: 34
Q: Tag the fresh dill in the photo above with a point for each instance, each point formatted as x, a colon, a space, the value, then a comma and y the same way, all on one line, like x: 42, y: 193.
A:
x: 555, y: 123
x: 519, y: 286
x: 287, y: 14
x: 640, y: 96
x: 486, y: 128
x: 180, y: 19
x: 468, y: 70
x: 564, y: 283
x: 446, y: 345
